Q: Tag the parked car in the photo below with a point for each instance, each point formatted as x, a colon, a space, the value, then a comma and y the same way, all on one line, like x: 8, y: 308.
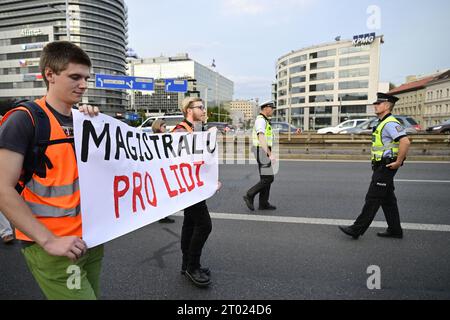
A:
x: 410, y: 125
x: 344, y: 125
x: 171, y: 122
x: 222, y: 127
x: 440, y: 128
x: 283, y: 127
x: 365, y: 126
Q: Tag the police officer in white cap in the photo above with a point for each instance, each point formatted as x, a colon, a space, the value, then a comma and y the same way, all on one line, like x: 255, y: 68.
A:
x: 262, y: 147
x: 390, y: 146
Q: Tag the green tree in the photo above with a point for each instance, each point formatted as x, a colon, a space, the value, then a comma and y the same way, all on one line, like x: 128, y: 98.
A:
x: 213, y: 115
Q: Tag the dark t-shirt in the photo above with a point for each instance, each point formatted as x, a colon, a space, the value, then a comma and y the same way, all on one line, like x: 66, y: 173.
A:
x: 17, y: 133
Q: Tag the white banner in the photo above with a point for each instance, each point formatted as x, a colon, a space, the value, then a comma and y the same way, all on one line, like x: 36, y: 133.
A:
x: 129, y: 178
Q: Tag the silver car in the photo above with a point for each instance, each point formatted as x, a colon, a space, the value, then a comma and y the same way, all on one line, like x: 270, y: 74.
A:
x: 410, y: 125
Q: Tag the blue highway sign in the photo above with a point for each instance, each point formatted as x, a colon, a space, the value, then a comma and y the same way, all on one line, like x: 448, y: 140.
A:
x: 173, y: 85
x: 107, y: 81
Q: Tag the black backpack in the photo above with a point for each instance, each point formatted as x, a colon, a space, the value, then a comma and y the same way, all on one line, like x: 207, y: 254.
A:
x: 36, y: 161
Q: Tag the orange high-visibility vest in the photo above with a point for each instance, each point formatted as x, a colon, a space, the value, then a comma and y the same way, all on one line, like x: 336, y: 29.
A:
x: 184, y: 125
x: 55, y: 199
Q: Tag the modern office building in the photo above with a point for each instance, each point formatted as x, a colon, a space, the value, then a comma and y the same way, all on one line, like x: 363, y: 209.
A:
x: 210, y: 85
x: 323, y: 85
x: 97, y: 26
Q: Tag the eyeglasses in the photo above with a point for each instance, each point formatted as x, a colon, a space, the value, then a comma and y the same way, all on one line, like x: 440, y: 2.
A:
x: 198, y: 107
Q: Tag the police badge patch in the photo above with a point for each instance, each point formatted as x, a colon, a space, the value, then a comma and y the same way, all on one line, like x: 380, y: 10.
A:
x: 399, y: 129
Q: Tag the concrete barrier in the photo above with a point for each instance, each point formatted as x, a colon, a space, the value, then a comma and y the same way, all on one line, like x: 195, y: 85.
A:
x: 336, y: 147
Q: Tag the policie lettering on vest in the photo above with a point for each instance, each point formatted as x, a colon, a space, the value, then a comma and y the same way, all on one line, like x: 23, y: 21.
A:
x: 139, y: 146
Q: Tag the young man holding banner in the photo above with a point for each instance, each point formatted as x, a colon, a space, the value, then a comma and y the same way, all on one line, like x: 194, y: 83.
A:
x: 197, y: 221
x: 47, y: 213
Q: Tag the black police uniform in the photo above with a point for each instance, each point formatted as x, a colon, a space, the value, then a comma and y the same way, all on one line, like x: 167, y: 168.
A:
x: 266, y: 175
x: 380, y: 194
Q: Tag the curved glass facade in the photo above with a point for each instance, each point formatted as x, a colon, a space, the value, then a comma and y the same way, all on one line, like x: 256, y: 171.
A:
x: 326, y: 83
x: 97, y: 26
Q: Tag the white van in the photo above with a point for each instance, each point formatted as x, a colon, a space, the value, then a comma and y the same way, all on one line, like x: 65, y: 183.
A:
x: 171, y: 122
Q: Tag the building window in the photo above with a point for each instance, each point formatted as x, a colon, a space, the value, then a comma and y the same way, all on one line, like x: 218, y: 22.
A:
x: 349, y: 50
x: 322, y: 65
x: 321, y: 87
x: 298, y: 90
x: 323, y: 54
x: 353, y: 96
x: 298, y: 59
x: 298, y: 80
x: 354, y: 85
x: 321, y: 76
x: 353, y: 73
x: 321, y: 98
x: 298, y: 100
x: 298, y: 69
x: 353, y: 109
x: 354, y: 60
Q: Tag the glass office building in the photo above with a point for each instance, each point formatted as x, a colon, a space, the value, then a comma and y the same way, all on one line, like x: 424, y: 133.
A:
x: 326, y: 84
x: 97, y: 26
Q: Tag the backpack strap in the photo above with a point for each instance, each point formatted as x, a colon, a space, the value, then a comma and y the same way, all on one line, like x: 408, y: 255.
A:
x: 36, y: 161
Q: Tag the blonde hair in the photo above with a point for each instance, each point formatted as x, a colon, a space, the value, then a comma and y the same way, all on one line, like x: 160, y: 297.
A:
x: 187, y: 103
x: 157, y: 124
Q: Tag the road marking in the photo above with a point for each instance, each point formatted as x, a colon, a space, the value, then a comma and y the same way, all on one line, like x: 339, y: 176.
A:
x: 326, y: 222
x: 423, y: 181
x: 330, y: 160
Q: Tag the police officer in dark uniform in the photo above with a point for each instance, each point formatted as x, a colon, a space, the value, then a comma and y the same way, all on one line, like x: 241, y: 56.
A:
x: 262, y: 148
x: 390, y: 146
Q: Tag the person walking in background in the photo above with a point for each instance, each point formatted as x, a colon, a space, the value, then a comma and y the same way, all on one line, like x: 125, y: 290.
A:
x: 197, y: 222
x: 159, y: 126
x: 262, y: 148
x: 390, y: 146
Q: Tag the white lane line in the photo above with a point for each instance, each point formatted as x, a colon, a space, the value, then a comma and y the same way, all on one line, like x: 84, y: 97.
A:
x: 423, y: 181
x: 326, y: 222
x: 332, y: 160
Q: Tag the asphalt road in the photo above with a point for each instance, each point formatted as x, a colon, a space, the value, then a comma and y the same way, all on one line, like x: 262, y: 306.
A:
x: 287, y: 260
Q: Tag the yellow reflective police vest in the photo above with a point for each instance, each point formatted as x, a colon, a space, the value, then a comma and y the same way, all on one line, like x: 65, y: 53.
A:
x: 378, y: 148
x: 268, y: 133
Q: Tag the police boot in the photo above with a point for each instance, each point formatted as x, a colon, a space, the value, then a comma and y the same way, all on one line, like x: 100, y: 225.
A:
x: 197, y: 277
x: 350, y: 232
x: 390, y: 234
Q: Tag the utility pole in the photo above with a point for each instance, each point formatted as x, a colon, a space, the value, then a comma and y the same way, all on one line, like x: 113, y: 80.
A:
x: 68, y: 17
x: 67, y: 20
x: 289, y: 105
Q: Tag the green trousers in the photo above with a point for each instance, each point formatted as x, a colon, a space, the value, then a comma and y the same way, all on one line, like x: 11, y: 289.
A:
x: 61, y: 279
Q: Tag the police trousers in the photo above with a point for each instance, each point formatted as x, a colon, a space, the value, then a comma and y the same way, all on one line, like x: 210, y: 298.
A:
x: 196, y: 228
x: 266, y: 178
x: 380, y: 194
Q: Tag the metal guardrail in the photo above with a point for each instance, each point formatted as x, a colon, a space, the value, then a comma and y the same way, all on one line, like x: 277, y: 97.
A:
x: 339, y: 146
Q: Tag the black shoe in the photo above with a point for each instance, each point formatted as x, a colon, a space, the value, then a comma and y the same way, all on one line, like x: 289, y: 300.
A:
x: 205, y: 270
x: 198, y: 278
x: 249, y: 203
x: 166, y: 220
x: 349, y: 231
x: 390, y: 234
x: 267, y: 207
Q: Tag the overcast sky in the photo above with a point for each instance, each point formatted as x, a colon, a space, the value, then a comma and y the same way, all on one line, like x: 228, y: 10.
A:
x: 246, y: 37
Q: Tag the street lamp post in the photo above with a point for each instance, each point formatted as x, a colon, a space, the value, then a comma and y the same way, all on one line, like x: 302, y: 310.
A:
x: 67, y: 20
x: 68, y: 17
